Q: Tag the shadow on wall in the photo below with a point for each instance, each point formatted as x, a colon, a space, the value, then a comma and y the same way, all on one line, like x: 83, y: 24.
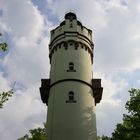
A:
x: 88, y: 118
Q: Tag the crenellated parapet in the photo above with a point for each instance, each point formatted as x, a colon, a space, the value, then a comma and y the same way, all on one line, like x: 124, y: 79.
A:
x: 71, y: 33
x: 71, y: 27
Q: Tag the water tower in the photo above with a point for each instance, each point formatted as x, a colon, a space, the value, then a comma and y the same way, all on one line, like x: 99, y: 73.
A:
x: 71, y: 93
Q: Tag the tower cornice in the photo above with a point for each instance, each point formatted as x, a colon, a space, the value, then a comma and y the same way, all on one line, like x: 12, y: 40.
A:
x: 77, y: 45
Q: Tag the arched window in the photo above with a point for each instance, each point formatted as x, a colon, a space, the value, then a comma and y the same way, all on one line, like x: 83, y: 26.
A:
x: 71, y: 67
x: 71, y: 97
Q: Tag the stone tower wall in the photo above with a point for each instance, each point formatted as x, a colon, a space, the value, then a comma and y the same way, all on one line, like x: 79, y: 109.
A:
x: 71, y: 105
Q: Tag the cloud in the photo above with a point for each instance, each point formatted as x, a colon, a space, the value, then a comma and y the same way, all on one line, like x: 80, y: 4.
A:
x: 26, y: 111
x: 4, y: 84
x: 26, y: 63
x: 82, y: 9
x: 23, y: 19
x: 113, y: 30
x: 112, y: 106
x: 115, y: 26
x: 118, y: 50
x: 3, y: 27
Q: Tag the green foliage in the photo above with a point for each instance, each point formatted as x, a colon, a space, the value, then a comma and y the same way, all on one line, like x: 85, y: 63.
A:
x: 4, y: 97
x: 3, y: 46
x: 35, y: 134
x: 130, y: 128
x: 103, y: 138
x: 99, y: 138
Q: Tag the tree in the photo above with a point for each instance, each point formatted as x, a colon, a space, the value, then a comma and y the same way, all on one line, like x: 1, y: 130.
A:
x: 130, y: 128
x: 3, y: 45
x: 4, y: 97
x: 35, y: 134
x: 103, y: 138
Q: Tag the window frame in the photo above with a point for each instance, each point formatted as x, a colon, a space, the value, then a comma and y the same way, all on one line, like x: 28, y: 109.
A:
x: 71, y: 97
x: 71, y: 67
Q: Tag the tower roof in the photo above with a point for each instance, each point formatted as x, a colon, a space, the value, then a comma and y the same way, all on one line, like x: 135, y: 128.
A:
x: 70, y: 16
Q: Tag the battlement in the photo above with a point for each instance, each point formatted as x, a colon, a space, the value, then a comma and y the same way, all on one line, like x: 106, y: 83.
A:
x: 71, y: 26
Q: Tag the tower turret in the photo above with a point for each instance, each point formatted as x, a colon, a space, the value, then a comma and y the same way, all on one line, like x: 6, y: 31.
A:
x: 71, y: 94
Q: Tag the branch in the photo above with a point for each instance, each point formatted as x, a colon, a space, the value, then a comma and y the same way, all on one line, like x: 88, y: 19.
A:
x: 6, y: 95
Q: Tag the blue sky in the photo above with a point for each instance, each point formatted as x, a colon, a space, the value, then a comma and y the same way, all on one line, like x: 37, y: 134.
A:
x: 26, y: 27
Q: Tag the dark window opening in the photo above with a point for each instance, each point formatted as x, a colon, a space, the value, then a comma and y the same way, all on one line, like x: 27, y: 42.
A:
x: 71, y: 67
x: 71, y: 97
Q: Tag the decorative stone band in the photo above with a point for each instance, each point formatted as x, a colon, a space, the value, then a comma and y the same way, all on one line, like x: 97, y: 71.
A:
x: 70, y: 34
x: 67, y: 80
x: 65, y: 45
x: 95, y: 86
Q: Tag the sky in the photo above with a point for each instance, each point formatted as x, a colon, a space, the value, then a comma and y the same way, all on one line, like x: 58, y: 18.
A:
x: 26, y: 27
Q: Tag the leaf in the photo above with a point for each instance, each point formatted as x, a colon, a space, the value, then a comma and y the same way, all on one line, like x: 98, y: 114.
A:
x: 3, y: 46
x: 130, y: 128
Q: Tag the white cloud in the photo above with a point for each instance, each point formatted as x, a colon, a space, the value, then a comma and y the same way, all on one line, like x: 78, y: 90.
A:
x: 91, y: 11
x: 113, y: 30
x: 23, y: 18
x: 117, y: 49
x: 115, y: 26
x: 3, y: 27
x: 108, y: 115
x: 112, y: 106
x: 28, y: 62
x: 4, y: 84
x: 21, y: 113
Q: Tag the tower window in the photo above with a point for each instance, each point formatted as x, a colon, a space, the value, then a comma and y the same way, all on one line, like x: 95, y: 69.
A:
x: 71, y: 67
x: 71, y: 97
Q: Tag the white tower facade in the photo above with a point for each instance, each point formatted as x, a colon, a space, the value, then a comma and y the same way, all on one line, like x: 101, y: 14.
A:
x: 71, y: 93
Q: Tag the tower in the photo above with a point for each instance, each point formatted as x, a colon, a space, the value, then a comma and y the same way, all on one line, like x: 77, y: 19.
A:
x: 71, y: 94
